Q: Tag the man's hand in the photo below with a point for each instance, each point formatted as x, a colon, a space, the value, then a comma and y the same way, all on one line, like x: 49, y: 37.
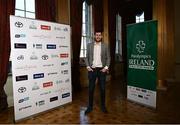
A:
x: 104, y: 70
x: 89, y: 69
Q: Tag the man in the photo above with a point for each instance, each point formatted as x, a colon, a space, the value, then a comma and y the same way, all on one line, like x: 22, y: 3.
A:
x: 97, y: 62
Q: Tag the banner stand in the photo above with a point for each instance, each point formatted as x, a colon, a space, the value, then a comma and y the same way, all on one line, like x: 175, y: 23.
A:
x: 142, y: 63
x: 41, y: 66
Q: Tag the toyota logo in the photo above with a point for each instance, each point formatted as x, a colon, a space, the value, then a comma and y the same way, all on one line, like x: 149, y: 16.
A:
x: 18, y: 24
x: 45, y: 57
x: 22, y: 89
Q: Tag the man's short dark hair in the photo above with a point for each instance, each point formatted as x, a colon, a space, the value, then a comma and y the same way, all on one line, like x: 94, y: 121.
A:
x: 98, y: 31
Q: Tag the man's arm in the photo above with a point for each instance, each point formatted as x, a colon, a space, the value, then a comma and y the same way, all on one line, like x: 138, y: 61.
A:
x: 87, y: 58
x: 108, y: 59
x: 87, y: 55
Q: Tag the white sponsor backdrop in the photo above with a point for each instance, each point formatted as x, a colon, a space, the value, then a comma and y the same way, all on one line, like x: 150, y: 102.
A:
x: 41, y: 67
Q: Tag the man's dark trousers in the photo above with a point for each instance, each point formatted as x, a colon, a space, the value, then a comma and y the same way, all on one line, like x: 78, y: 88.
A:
x: 92, y: 75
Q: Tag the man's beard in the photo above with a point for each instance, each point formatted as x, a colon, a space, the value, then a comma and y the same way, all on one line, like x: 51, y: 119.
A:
x: 98, y: 40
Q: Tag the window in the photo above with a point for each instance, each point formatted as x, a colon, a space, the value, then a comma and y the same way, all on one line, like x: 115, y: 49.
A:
x: 118, y: 50
x: 86, y: 28
x: 140, y: 17
x: 25, y: 8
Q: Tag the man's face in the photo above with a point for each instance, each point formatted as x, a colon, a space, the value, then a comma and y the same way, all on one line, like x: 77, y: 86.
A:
x: 98, y: 36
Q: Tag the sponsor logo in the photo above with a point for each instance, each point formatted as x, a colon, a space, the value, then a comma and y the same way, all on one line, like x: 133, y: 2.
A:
x: 35, y: 86
x: 146, y: 98
x: 64, y: 63
x: 54, y: 99
x: 133, y: 94
x: 62, y: 90
x: 132, y: 88
x: 143, y: 90
x: 44, y: 57
x: 65, y: 95
x: 52, y: 73
x: 23, y: 100
x: 32, y: 26
x: 19, y: 24
x: 39, y: 75
x: 20, y: 46
x: 20, y: 35
x: 45, y: 27
x: 47, y: 84
x: 42, y: 36
x: 22, y: 89
x: 65, y: 29
x: 54, y: 56
x: 67, y: 80
x: 133, y: 91
x: 25, y: 107
x: 150, y: 92
x: 33, y: 56
x: 64, y: 55
x: 45, y: 93
x: 64, y: 72
x: 40, y: 103
x: 26, y: 67
x: 138, y: 89
x: 57, y: 28
x: 140, y: 96
x: 37, y: 46
x: 20, y: 57
x: 59, y: 82
x: 63, y: 46
x: 60, y: 37
x: 48, y: 65
x: 51, y: 46
x: 21, y: 78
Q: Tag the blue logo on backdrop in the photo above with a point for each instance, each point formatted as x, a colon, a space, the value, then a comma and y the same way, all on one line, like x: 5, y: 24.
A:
x: 39, y: 75
x: 51, y: 46
x: 23, y: 100
x: 20, y: 35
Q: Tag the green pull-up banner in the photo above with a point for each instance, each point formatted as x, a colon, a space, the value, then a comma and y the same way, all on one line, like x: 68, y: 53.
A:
x: 142, y: 62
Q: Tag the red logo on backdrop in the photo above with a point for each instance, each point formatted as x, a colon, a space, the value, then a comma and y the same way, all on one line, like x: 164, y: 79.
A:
x: 45, y: 27
x: 47, y: 84
x: 64, y: 55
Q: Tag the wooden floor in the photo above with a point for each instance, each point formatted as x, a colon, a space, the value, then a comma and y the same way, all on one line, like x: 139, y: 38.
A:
x: 120, y: 109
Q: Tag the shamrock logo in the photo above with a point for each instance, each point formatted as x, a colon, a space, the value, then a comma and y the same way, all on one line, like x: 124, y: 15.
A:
x: 140, y: 46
